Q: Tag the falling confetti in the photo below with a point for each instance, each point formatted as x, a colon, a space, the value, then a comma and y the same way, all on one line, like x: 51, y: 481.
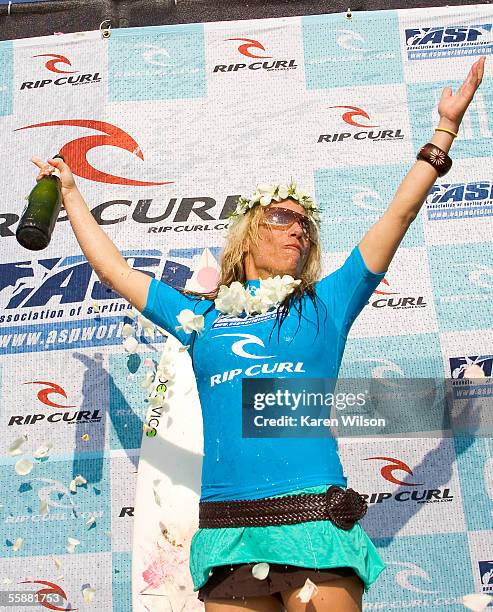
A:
x: 43, y: 507
x: 72, y: 543
x: 476, y: 601
x: 23, y: 467
x: 308, y: 591
x: 17, y: 544
x: 15, y: 448
x: 76, y: 482
x: 57, y: 562
x: 43, y: 450
x: 131, y: 345
x: 260, y: 571
x: 88, y: 594
x: 85, y: 437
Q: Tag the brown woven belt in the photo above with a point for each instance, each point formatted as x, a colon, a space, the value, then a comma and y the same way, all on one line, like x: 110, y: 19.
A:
x: 342, y: 506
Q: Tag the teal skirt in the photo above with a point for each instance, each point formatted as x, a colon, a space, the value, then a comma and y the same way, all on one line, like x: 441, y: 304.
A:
x: 313, y: 544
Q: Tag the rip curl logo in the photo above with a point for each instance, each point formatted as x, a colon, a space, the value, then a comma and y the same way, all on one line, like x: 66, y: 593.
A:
x: 350, y: 40
x: 250, y: 43
x: 75, y: 151
x: 238, y: 347
x: 52, y: 64
x: 384, y: 281
x: 366, y: 199
x: 353, y: 117
x: 250, y: 49
x: 154, y: 54
x: 46, y: 597
x: 387, y: 471
x: 411, y: 570
x: 355, y: 111
x: 478, y: 274
x: 50, y: 388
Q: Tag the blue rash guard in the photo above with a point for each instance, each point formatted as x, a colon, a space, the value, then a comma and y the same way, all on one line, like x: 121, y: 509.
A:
x: 229, y: 349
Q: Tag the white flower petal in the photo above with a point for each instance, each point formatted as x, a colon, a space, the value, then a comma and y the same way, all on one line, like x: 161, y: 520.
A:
x: 91, y: 520
x: 308, y: 591
x: 57, y: 562
x: 132, y: 313
x: 43, y: 507
x: 72, y: 543
x: 17, y: 544
x: 476, y: 601
x: 88, y: 594
x: 95, y: 307
x: 7, y: 580
x: 23, y: 467
x: 131, y: 344
x: 43, y: 450
x: 76, y: 482
x: 157, y: 499
x: 266, y: 199
x: 148, y: 380
x: 190, y: 322
x: 15, y: 448
x: 260, y: 571
x: 128, y: 330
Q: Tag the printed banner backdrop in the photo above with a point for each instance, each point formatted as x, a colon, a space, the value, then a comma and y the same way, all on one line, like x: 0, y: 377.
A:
x: 164, y: 128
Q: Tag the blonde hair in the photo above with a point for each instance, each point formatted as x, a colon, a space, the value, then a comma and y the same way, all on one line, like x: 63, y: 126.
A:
x: 244, y: 232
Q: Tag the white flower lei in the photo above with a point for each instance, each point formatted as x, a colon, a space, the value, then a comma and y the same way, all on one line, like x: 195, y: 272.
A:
x: 266, y: 194
x: 236, y: 299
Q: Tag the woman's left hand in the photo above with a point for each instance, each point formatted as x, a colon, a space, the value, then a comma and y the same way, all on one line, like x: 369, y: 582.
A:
x: 452, y: 107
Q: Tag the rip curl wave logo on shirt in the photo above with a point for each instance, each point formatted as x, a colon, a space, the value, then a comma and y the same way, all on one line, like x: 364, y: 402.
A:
x: 239, y: 349
x: 448, y: 41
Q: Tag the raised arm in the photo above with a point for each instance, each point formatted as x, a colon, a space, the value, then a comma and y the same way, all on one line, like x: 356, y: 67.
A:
x: 103, y: 256
x: 380, y: 243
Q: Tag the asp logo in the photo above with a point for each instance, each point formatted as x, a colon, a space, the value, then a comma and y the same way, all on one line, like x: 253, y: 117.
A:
x: 75, y: 152
x: 477, y: 366
x: 238, y: 347
x: 254, y: 49
x: 486, y: 575
x: 53, y: 63
x: 460, y: 200
x: 448, y: 41
x: 58, y: 65
x: 355, y: 116
x: 50, y: 388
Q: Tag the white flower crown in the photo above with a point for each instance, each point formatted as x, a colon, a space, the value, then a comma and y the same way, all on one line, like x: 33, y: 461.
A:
x: 265, y: 194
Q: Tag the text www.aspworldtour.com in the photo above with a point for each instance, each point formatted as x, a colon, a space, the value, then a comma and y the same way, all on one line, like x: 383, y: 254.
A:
x: 49, y: 337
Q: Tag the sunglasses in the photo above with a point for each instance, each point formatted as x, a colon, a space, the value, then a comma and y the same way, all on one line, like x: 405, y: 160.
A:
x: 285, y: 217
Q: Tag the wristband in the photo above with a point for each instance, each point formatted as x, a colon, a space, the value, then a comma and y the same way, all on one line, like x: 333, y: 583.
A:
x: 439, y: 129
x: 432, y: 154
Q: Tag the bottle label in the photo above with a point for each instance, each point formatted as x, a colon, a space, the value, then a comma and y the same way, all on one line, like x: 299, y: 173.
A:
x: 56, y: 172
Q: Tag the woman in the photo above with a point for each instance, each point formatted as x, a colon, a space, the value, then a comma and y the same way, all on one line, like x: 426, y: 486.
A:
x: 289, y: 329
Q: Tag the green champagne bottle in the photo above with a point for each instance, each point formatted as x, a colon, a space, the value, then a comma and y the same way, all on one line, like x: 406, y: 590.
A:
x: 39, y: 217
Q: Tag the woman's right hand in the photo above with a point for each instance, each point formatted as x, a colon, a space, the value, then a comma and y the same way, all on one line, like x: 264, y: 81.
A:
x: 66, y: 176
